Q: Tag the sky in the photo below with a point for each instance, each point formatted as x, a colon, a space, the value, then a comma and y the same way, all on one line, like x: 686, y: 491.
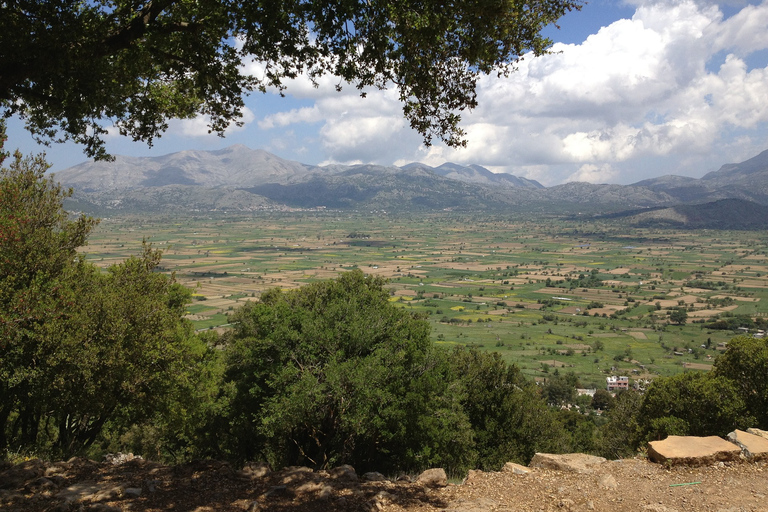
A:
x: 632, y: 90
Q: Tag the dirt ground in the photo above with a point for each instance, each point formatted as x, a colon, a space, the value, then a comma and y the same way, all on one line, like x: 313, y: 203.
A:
x: 207, y: 486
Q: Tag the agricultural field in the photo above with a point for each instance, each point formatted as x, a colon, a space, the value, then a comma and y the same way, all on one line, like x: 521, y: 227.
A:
x: 551, y: 295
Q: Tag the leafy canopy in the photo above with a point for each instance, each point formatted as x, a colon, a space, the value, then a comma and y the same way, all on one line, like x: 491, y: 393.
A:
x: 70, y: 65
x: 83, y: 351
x: 333, y: 373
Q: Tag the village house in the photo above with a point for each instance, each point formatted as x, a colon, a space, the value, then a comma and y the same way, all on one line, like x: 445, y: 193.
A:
x: 617, y: 383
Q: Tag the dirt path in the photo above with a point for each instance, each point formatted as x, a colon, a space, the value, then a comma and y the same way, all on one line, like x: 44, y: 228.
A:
x: 614, y: 486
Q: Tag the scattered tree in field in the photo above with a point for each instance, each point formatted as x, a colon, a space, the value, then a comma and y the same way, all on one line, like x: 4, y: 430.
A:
x: 70, y: 66
x: 678, y: 316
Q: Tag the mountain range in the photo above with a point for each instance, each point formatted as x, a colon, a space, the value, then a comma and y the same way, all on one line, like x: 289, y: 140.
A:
x: 241, y: 179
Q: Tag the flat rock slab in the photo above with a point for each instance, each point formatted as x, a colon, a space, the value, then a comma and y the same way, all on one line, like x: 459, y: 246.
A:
x: 753, y: 447
x: 575, y: 462
x: 692, y: 451
x: 758, y: 432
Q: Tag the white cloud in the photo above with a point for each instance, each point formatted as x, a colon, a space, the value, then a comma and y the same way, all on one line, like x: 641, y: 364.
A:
x: 594, y: 173
x: 198, y: 126
x: 300, y: 115
x: 639, y: 88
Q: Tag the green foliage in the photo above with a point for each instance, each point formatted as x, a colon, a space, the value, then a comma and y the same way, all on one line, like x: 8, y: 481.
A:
x: 38, y: 263
x: 678, y: 316
x: 734, y: 322
x: 140, y: 64
x: 509, y: 420
x: 561, y: 389
x: 333, y: 373
x: 619, y: 436
x: 602, y: 399
x: 693, y: 403
x: 745, y: 363
x: 82, y: 351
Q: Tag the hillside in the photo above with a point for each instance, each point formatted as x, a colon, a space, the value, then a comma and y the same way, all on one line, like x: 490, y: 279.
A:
x: 630, y: 485
x: 722, y: 214
x: 241, y: 179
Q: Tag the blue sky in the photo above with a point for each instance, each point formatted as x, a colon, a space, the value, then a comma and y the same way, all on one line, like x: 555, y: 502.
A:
x: 634, y: 89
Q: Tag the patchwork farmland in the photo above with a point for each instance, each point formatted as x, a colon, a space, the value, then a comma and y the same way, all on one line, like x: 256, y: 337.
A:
x: 548, y: 294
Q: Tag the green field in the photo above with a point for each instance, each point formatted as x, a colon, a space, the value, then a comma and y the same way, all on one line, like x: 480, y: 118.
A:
x: 583, y: 296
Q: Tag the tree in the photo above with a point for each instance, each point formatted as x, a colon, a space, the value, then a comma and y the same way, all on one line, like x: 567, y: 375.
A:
x: 80, y: 349
x: 38, y: 259
x: 693, y: 403
x: 619, y: 436
x: 602, y: 399
x: 333, y: 373
x: 69, y: 66
x: 510, y: 421
x: 745, y: 363
x: 678, y: 316
x: 561, y: 389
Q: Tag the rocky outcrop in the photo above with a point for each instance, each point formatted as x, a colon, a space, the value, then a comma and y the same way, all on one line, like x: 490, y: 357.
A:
x: 692, y: 451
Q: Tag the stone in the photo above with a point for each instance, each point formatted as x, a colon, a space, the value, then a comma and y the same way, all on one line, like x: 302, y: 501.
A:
x: 151, y: 485
x: 516, y: 469
x: 374, y: 476
x: 325, y: 493
x: 107, y: 494
x: 658, y: 508
x: 131, y: 492
x: 753, y: 447
x: 692, y: 450
x: 277, y: 490
x: 308, y: 487
x: 57, y: 480
x: 295, y: 473
x: 472, y: 475
x: 575, y: 462
x: 434, y: 477
x: 758, y: 432
x: 57, y: 468
x: 254, y: 470
x: 41, y: 484
x: 344, y: 472
x: 89, y: 492
x: 254, y: 506
x: 381, y: 500
x: 120, y: 458
x: 608, y: 482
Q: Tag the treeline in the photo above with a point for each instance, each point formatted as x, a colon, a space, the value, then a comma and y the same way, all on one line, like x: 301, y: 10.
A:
x: 328, y: 374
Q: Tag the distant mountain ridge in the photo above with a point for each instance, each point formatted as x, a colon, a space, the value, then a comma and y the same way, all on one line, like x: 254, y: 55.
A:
x: 240, y: 178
